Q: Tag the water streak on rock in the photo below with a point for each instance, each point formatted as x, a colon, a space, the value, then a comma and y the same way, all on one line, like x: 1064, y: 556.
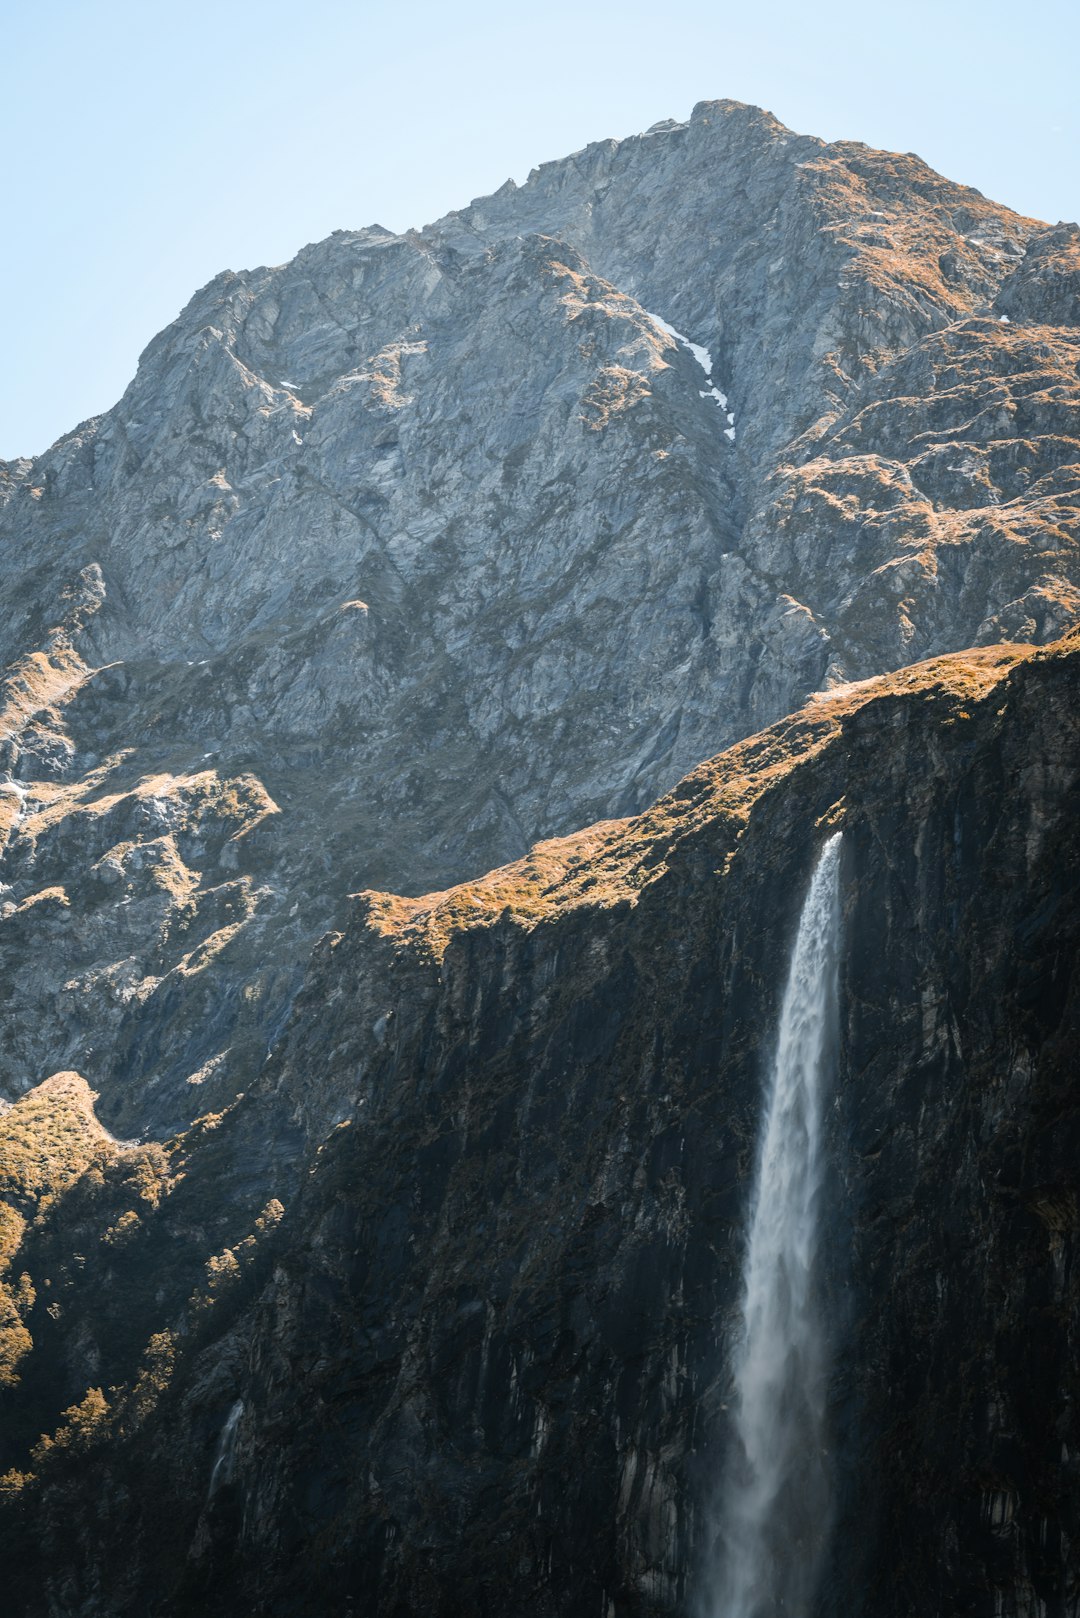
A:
x: 225, y: 1459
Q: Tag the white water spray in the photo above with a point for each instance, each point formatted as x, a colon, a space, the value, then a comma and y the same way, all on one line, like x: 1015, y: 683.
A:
x: 776, y: 1500
x: 225, y: 1456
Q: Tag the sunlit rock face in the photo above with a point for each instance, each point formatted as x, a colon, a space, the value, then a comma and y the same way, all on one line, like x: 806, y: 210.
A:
x: 381, y: 1254
x: 443, y: 542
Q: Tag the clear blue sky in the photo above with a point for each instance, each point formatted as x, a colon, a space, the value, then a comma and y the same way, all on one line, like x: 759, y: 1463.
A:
x: 149, y: 143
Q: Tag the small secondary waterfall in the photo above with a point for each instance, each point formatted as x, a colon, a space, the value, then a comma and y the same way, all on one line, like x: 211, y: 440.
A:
x: 225, y: 1456
x: 776, y: 1501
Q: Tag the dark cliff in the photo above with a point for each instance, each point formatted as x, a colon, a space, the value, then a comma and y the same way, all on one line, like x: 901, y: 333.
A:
x: 476, y: 1227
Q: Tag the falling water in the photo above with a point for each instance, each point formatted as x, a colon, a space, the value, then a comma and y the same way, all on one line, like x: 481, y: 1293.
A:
x: 776, y: 1501
x: 225, y: 1456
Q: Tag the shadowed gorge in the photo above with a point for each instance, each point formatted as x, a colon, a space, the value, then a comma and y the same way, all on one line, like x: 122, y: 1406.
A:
x: 393, y: 996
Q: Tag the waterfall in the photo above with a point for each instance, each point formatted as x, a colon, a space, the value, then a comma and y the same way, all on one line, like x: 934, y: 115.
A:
x: 225, y: 1457
x: 775, y: 1503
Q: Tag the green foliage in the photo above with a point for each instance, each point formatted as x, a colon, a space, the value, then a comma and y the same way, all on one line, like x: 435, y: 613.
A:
x: 15, y: 1340
x: 144, y: 1173
x: 270, y: 1218
x: 224, y: 1271
x: 12, y: 1226
x: 83, y: 1424
x: 47, y: 1140
x: 125, y: 1227
x: 155, y: 1374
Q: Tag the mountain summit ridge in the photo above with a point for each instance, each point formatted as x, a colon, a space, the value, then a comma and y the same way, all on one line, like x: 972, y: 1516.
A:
x: 401, y: 1277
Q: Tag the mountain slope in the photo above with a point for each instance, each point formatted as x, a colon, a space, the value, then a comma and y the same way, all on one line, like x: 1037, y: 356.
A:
x: 443, y: 543
x: 434, y: 1319
x: 370, y: 1226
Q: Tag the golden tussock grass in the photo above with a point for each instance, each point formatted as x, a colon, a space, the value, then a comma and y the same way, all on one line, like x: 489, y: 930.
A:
x: 612, y: 862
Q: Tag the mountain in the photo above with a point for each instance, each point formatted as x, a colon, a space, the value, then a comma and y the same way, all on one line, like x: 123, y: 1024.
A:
x: 439, y: 544
x: 377, y: 1250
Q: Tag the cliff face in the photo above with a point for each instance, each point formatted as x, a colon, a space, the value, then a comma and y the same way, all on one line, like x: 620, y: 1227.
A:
x: 404, y: 1276
x: 441, y: 543
x: 476, y: 1230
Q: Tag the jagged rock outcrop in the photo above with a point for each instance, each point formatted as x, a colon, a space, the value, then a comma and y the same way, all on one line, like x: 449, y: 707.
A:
x: 444, y: 1323
x: 441, y: 543
x: 395, y: 1273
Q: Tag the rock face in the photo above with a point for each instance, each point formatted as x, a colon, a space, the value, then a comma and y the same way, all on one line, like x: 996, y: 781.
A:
x: 403, y: 1279
x: 478, y: 1362
x: 442, y: 543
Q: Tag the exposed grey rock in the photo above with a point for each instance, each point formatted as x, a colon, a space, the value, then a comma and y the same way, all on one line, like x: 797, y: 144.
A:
x: 449, y: 545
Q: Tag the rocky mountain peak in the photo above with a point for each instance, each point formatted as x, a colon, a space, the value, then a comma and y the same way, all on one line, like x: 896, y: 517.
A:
x: 386, y: 977
x: 469, y: 536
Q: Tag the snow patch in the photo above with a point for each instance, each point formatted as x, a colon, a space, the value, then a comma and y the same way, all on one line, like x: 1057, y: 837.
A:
x: 704, y: 359
x: 21, y: 794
